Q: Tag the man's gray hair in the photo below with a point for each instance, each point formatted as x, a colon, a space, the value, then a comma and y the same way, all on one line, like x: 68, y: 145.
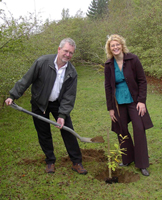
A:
x: 69, y: 40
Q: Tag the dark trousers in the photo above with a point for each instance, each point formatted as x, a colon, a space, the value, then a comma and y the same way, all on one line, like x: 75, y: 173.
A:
x: 45, y: 137
x: 136, y: 151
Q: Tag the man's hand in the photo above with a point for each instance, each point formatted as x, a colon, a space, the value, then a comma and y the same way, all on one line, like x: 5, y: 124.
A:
x: 8, y: 101
x: 60, y: 121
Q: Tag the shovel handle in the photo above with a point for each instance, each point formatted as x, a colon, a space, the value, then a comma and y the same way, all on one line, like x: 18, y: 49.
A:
x: 15, y: 106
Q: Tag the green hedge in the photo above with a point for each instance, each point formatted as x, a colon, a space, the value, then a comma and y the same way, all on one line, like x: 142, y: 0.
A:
x: 138, y: 21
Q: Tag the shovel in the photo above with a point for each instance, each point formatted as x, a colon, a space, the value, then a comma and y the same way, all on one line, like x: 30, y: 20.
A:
x: 82, y: 139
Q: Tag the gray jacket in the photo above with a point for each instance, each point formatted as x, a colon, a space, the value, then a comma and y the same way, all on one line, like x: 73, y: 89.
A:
x: 42, y: 76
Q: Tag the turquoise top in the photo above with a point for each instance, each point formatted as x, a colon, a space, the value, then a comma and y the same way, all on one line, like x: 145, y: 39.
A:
x: 123, y: 95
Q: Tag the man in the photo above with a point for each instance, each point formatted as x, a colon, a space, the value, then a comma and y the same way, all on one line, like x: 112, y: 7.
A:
x: 54, y: 83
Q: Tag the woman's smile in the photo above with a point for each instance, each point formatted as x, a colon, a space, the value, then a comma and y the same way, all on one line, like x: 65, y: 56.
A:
x: 116, y: 48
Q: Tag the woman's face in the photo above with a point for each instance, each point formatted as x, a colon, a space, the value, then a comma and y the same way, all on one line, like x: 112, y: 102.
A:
x: 116, y: 48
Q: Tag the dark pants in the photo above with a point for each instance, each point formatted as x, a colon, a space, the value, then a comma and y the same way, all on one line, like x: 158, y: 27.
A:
x: 138, y: 151
x: 45, y: 136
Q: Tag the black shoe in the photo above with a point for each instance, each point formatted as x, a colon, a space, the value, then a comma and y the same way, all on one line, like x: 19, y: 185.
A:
x: 122, y: 165
x: 145, y: 172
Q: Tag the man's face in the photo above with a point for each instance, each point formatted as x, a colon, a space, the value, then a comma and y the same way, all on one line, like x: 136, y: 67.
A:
x: 65, y: 53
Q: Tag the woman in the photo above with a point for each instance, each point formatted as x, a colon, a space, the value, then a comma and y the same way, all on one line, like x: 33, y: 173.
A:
x: 126, y: 90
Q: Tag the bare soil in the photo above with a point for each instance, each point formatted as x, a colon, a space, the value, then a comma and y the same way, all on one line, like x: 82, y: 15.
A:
x: 156, y: 83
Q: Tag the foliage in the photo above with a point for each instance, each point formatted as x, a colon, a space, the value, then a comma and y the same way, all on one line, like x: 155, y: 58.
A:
x: 15, y: 33
x: 97, y: 9
x: 25, y: 39
x: 81, y: 30
x: 145, y: 39
x: 65, y: 14
x: 115, y: 155
x: 92, y: 10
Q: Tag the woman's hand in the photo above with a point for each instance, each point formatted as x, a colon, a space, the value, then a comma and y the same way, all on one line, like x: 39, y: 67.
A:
x: 141, y: 108
x: 112, y: 115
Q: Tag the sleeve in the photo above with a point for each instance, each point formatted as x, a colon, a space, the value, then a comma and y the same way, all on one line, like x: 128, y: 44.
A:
x: 21, y: 86
x: 141, y: 81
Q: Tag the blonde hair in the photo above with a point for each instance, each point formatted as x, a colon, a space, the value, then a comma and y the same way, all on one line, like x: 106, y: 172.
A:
x: 119, y: 39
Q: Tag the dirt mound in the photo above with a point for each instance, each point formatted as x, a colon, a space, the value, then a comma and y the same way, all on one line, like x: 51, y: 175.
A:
x: 98, y: 139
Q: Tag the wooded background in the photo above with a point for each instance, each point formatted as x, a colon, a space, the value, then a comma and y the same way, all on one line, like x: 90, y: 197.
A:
x: 23, y: 40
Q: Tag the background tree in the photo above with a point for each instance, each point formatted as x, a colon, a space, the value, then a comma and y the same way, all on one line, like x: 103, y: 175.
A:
x: 92, y: 10
x: 65, y: 14
x: 97, y: 9
x: 22, y: 41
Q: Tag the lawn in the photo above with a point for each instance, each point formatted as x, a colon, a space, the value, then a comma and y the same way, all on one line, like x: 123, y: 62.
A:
x: 22, y: 165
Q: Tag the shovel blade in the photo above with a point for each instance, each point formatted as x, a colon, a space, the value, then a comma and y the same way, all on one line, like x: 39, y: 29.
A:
x: 84, y: 139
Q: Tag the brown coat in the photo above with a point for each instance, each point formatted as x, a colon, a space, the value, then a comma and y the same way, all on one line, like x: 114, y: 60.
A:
x: 136, y: 81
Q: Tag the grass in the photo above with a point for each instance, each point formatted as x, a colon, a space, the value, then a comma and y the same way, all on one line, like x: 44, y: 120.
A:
x: 22, y: 173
